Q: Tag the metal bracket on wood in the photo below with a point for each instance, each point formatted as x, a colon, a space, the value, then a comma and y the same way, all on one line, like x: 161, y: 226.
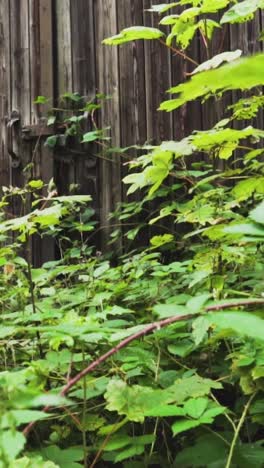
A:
x: 13, y: 121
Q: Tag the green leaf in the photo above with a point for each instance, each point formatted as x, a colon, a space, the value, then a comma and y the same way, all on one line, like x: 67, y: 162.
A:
x: 51, y: 141
x: 210, y: 414
x: 241, y: 74
x: 91, y: 136
x: 12, y: 443
x: 241, y: 11
x: 117, y: 442
x: 195, y: 304
x: 246, y: 188
x: 66, y: 458
x: 190, y: 387
x: 257, y: 214
x: 169, y: 310
x: 133, y: 34
x: 213, y: 6
x: 32, y: 462
x: 27, y: 416
x: 195, y: 407
x: 73, y: 198
x: 242, y: 323
x: 75, y: 97
x: 159, y: 241
x: 162, y: 7
x: 51, y: 120
x: 182, y: 348
x: 200, y: 328
x: 217, y: 60
x: 41, y: 100
x: 128, y: 401
x: 207, y: 450
x: 164, y: 411
x: 130, y: 452
x: 245, y: 229
x: 36, y: 184
x: 183, y: 425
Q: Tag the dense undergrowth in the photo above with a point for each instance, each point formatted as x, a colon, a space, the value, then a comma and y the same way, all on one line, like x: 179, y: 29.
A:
x: 154, y: 358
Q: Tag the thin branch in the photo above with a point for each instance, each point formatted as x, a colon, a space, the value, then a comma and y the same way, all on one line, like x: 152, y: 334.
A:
x: 239, y: 426
x: 242, y: 303
x: 179, y: 52
x: 124, y: 343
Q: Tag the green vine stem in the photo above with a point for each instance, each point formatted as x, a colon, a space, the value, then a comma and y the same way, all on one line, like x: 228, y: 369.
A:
x: 237, y: 431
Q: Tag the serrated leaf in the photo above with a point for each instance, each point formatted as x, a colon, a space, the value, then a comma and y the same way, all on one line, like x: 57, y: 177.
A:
x: 200, y: 327
x: 244, y: 73
x: 133, y: 34
x: 241, y: 11
x: 127, y: 400
x: 217, y: 60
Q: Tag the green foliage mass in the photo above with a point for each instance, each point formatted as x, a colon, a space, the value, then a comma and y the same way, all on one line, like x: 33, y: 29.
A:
x: 153, y: 355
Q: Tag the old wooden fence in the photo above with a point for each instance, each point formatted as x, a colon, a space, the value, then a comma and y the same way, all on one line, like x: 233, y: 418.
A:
x: 48, y: 47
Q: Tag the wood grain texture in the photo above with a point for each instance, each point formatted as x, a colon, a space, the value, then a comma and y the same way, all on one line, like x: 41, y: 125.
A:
x: 107, y: 66
x: 5, y: 81
x: 83, y: 47
x: 157, y: 81
x: 64, y: 71
x: 41, y: 66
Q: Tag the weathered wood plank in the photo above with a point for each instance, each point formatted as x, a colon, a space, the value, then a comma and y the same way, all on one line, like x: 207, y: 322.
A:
x: 64, y: 70
x: 20, y: 82
x: 132, y: 78
x: 5, y: 80
x: 108, y: 83
x: 64, y: 46
x: 158, y: 80
x: 83, y: 47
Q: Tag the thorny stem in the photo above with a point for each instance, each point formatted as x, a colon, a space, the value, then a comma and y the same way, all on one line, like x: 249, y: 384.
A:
x: 236, y: 434
x: 152, y: 327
